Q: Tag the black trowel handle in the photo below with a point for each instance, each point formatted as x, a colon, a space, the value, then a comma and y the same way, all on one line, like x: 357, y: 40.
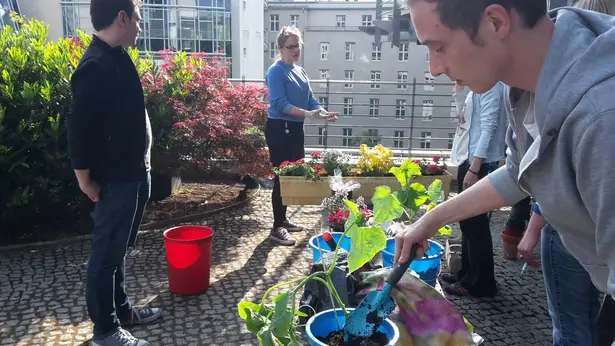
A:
x: 400, y: 269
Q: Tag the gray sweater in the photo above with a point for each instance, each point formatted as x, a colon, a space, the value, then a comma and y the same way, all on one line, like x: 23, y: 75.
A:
x: 571, y: 171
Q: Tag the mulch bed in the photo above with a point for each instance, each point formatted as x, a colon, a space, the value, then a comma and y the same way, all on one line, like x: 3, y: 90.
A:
x: 192, y: 198
x: 195, y: 198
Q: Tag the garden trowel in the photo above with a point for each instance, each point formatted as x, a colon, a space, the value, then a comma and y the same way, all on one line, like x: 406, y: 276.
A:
x: 365, y: 320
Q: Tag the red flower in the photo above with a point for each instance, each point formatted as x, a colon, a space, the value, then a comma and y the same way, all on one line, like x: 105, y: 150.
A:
x: 316, y: 154
x: 317, y: 167
x: 285, y: 163
x: 416, y: 161
x: 300, y: 161
x: 437, y: 159
x: 432, y: 168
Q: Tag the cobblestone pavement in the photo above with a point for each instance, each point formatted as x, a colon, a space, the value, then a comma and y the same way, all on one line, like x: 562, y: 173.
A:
x: 42, y: 289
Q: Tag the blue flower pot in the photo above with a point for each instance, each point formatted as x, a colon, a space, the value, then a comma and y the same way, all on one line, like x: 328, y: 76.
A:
x: 323, y: 244
x: 427, y: 268
x: 323, y: 323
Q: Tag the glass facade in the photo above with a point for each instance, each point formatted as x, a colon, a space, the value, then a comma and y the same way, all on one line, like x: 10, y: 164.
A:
x: 6, y: 7
x: 187, y: 25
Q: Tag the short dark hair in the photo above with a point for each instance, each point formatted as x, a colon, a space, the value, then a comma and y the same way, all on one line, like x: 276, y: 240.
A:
x: 104, y: 12
x: 466, y: 14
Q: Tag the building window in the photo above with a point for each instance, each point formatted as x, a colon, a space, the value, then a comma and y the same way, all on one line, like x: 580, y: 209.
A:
x: 375, y: 78
x: 429, y: 80
x: 349, y: 76
x: 324, y: 50
x: 272, y: 50
x: 322, y: 136
x: 294, y: 20
x: 400, y: 109
x: 427, y: 110
x: 425, y: 140
x: 376, y: 52
x: 70, y: 19
x: 403, y: 52
x: 347, y: 139
x: 367, y: 20
x: 340, y: 21
x: 451, y: 136
x: 398, y: 142
x: 374, y: 108
x: 274, y: 22
x: 324, y: 102
x: 350, y: 51
x: 453, y: 114
x: 402, y: 79
x: 347, y: 106
x: 324, y: 75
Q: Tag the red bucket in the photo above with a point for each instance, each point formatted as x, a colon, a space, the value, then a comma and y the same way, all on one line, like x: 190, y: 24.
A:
x: 188, y: 258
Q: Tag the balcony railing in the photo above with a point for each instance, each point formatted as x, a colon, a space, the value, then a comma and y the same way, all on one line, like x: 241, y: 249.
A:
x: 413, y: 119
x: 333, y: 28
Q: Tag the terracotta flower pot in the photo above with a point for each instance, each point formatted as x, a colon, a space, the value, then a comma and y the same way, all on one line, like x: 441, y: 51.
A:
x: 509, y: 245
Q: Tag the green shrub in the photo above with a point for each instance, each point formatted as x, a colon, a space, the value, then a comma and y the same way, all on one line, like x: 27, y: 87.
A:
x: 36, y: 178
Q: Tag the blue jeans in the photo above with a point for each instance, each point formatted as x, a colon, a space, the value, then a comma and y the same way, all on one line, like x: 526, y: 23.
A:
x: 117, y: 217
x: 572, y: 298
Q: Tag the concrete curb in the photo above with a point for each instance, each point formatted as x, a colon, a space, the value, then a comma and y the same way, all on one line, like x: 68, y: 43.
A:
x: 149, y: 227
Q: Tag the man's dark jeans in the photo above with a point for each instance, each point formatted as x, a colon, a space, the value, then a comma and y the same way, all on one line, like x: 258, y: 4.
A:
x: 477, y: 268
x: 117, y: 218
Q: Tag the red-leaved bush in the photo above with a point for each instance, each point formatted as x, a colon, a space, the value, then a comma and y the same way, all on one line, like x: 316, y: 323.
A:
x: 201, y: 118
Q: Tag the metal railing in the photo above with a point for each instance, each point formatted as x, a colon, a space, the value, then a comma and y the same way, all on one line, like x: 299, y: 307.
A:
x: 413, y: 119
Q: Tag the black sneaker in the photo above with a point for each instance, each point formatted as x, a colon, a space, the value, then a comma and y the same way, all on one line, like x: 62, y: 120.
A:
x: 292, y: 227
x: 120, y: 338
x: 280, y: 235
x: 141, y: 316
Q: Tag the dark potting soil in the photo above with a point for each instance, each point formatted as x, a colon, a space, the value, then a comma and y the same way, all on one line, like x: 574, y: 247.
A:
x: 336, y: 338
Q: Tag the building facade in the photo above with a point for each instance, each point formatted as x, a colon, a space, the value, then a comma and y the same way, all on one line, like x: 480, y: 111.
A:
x: 384, y: 94
x: 216, y: 27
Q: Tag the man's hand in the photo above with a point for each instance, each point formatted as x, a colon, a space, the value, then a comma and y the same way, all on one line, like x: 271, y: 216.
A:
x: 333, y: 116
x: 526, y: 248
x: 416, y: 233
x: 91, y: 189
x: 470, y: 179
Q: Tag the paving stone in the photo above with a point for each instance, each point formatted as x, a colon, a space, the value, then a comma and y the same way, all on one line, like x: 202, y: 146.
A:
x: 43, y: 288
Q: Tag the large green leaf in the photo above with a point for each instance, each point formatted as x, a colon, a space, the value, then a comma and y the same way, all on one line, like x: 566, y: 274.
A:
x: 386, y: 206
x: 266, y: 338
x: 282, y: 318
x: 243, y: 305
x: 255, y: 321
x: 405, y: 172
x: 434, y: 191
x: 365, y: 243
x: 417, y: 196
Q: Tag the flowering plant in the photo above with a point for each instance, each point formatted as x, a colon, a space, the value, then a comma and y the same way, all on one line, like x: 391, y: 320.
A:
x: 310, y: 169
x: 376, y: 161
x: 434, y: 167
x: 338, y: 212
x: 332, y: 159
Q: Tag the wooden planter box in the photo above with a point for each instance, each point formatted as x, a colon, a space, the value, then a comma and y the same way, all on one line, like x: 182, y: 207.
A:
x: 369, y: 184
x: 299, y: 191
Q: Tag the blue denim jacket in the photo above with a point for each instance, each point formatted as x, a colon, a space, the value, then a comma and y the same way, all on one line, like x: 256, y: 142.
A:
x: 487, y: 114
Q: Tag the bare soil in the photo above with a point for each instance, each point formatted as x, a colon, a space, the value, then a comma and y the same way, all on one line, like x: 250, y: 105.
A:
x: 192, y: 198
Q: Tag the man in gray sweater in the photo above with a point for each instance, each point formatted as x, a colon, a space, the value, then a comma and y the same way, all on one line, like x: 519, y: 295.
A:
x: 561, y: 136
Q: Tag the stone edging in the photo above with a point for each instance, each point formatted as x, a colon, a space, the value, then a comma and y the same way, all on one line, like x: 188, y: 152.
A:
x: 144, y: 228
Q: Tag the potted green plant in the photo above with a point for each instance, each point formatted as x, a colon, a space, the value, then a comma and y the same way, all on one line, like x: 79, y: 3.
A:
x: 277, y: 323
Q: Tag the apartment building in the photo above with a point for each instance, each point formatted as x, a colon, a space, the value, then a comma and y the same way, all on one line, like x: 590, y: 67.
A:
x: 370, y: 85
x: 218, y: 27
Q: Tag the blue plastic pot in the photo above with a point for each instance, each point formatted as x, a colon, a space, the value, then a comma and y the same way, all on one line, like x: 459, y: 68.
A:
x: 427, y: 268
x: 323, y: 244
x: 323, y: 323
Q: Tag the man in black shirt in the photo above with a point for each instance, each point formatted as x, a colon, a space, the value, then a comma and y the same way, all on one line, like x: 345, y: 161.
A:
x: 109, y: 139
